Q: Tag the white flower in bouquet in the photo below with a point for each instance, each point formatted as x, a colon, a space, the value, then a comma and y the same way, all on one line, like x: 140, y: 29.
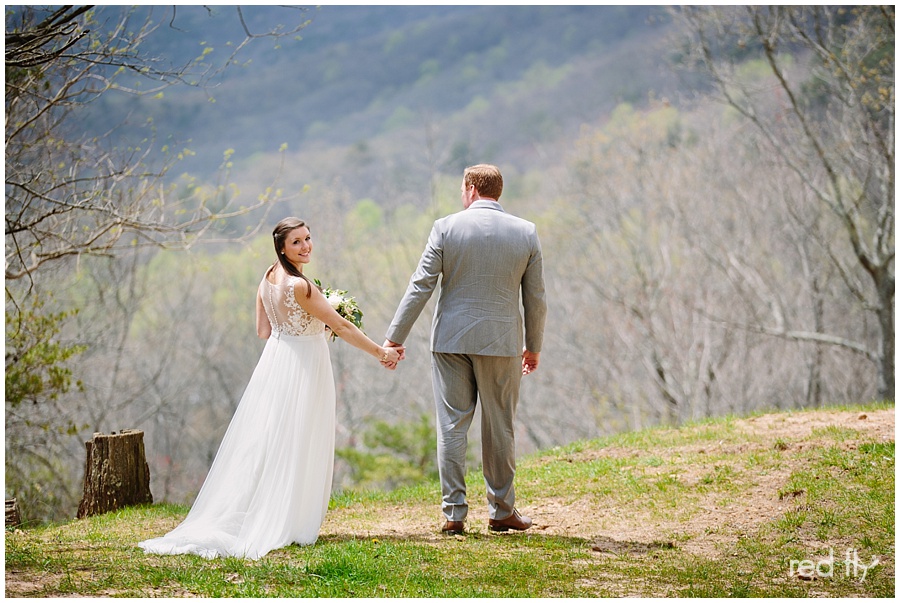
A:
x: 335, y: 299
x: 344, y: 304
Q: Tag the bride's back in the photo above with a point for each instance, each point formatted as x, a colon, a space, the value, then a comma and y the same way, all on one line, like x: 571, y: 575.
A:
x: 287, y: 317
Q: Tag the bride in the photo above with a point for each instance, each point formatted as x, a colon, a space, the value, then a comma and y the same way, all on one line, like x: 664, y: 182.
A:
x: 270, y: 481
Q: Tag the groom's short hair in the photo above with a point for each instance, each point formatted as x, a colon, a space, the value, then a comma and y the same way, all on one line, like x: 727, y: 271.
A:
x: 485, y: 178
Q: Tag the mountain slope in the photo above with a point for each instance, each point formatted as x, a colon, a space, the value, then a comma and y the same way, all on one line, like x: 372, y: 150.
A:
x: 359, y: 72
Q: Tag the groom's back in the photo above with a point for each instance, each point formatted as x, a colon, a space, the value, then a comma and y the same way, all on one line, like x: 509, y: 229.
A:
x: 486, y: 253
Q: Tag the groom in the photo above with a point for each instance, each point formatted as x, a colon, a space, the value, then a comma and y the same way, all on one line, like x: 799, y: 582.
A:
x: 484, y: 258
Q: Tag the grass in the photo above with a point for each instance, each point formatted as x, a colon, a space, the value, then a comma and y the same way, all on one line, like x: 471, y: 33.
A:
x: 827, y: 492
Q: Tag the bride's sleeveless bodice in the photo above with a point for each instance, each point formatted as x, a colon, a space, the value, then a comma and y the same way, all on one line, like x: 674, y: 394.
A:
x: 286, y: 316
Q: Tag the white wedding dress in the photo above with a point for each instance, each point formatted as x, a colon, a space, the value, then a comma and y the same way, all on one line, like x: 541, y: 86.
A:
x: 270, y: 482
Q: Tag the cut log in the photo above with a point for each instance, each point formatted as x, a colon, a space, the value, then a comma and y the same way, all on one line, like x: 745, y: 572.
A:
x: 13, y: 517
x: 116, y: 473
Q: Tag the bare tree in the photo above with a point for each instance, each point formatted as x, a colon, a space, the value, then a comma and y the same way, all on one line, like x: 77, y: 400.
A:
x: 69, y: 193
x: 687, y: 238
x: 833, y: 129
x: 764, y: 238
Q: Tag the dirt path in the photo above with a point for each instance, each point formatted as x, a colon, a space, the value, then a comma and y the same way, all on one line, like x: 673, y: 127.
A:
x: 702, y: 533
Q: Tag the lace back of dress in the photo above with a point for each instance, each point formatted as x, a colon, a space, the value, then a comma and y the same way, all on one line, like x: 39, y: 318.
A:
x: 286, y: 315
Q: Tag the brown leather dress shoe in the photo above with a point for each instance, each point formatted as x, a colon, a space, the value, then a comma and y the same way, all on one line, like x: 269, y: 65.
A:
x: 513, y: 522
x: 453, y: 527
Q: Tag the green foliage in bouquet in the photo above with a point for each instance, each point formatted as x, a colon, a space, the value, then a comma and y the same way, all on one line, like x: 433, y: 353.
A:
x: 344, y: 304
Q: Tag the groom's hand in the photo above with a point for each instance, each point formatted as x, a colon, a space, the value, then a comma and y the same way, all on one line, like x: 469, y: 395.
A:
x: 390, y: 344
x: 530, y: 361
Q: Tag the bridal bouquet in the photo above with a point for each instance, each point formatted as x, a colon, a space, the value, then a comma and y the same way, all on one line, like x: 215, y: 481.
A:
x: 344, y: 304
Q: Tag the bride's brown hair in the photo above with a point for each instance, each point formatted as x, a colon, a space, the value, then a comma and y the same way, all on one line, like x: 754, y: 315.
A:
x: 279, y: 236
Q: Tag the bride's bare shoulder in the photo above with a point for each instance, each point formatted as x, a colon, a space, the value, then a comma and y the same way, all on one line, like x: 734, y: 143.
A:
x: 272, y: 274
x: 302, y: 287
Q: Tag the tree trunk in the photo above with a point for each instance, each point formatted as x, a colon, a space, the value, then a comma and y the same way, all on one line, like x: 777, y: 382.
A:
x: 886, y: 356
x: 13, y: 517
x: 116, y: 473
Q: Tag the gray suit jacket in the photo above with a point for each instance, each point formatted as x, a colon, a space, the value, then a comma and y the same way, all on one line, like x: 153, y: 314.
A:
x: 484, y: 257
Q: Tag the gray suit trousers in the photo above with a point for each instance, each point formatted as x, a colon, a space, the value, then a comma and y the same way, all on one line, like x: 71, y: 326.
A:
x: 460, y: 381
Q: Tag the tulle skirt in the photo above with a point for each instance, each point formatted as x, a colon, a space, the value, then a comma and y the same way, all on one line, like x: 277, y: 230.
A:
x: 270, y: 482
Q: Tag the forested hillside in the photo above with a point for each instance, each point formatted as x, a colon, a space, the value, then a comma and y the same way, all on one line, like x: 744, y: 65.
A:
x: 713, y: 189
x: 354, y: 73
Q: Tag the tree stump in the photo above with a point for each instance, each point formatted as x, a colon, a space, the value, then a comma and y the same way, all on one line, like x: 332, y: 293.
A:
x: 13, y: 517
x: 116, y: 473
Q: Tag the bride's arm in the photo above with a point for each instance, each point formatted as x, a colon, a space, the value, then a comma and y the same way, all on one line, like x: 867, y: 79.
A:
x: 318, y: 306
x: 263, y: 327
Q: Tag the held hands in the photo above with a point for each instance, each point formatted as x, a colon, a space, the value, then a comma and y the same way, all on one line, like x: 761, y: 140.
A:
x: 393, y: 354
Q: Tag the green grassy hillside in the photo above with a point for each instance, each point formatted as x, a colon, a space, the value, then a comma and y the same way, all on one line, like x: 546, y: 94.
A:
x: 781, y: 505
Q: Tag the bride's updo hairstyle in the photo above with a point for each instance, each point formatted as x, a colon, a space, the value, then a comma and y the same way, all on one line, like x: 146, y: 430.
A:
x: 279, y: 236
